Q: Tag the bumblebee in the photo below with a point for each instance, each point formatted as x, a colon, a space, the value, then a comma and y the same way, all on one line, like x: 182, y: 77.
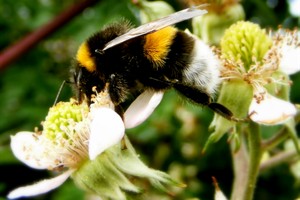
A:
x: 154, y: 56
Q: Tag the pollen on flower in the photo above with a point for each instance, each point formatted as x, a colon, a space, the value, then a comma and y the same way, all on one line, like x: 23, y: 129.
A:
x: 259, y: 97
x: 65, y: 134
x: 287, y: 45
x: 66, y: 131
x: 249, y: 54
x: 287, y: 37
x: 62, y: 116
x: 101, y: 99
x: 85, y: 143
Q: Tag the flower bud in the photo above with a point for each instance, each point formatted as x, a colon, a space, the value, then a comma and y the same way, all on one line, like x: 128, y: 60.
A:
x: 150, y: 11
x: 211, y: 26
x: 236, y: 95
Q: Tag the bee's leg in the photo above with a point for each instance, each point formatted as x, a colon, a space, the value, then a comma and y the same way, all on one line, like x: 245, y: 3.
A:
x: 225, y: 112
x: 123, y: 144
x: 200, y: 97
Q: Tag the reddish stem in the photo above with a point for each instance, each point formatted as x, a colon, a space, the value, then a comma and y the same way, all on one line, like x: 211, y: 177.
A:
x: 14, y: 51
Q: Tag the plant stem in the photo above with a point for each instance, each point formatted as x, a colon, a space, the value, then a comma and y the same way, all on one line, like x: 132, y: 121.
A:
x: 240, y: 167
x: 275, y: 140
x: 255, y: 154
x: 278, y: 159
x: 246, y: 165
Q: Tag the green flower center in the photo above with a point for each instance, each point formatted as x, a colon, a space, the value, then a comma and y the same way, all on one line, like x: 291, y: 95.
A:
x: 245, y: 43
x: 61, y: 120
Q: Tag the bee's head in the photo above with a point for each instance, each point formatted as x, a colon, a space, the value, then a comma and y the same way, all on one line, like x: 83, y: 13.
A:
x: 84, y: 75
x: 84, y: 81
x: 95, y: 67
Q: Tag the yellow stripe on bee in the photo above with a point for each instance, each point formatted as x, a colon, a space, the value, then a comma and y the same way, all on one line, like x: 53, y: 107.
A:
x: 85, y: 58
x: 157, y: 45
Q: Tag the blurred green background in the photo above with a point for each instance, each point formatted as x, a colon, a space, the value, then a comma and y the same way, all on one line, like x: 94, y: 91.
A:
x: 171, y: 139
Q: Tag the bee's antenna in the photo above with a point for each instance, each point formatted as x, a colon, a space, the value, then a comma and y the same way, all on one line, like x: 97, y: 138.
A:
x: 99, y: 51
x: 59, y: 91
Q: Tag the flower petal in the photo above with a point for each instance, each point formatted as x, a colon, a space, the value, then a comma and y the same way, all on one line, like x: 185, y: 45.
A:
x: 290, y: 61
x: 271, y: 110
x: 107, y: 129
x: 219, y: 195
x: 27, y: 149
x: 40, y: 187
x: 142, y: 108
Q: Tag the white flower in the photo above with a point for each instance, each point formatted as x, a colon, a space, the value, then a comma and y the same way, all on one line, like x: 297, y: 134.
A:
x: 72, y: 135
x: 284, y: 56
x: 262, y: 62
x: 255, y: 69
x: 38, y: 151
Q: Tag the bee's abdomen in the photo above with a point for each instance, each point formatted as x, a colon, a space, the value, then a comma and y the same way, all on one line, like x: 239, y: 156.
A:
x: 203, y: 71
x: 180, y: 54
x: 168, y: 52
x: 157, y: 45
x: 193, y: 63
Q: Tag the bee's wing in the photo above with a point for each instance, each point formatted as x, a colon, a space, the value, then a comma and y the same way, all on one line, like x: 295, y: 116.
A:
x: 156, y: 25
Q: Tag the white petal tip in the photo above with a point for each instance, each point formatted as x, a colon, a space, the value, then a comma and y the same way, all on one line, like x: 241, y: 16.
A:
x: 141, y: 108
x: 271, y: 110
x: 26, y: 148
x: 41, y: 187
x: 107, y: 129
x: 290, y: 61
